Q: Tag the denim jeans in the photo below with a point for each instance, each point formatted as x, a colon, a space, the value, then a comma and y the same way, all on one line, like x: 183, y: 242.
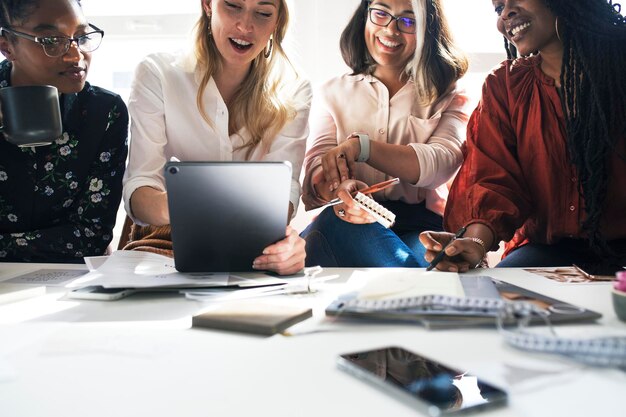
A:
x: 567, y: 252
x: 332, y: 242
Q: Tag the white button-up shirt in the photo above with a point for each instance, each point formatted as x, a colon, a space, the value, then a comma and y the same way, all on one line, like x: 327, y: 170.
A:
x: 166, y: 123
x: 361, y: 103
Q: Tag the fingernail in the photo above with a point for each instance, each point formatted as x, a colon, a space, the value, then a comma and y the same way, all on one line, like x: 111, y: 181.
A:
x: 437, y: 247
x: 343, y: 178
x: 452, y: 269
x: 452, y: 251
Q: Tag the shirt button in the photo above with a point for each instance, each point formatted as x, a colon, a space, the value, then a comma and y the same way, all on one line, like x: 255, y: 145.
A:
x: 572, y: 208
x: 574, y: 179
x: 381, y: 131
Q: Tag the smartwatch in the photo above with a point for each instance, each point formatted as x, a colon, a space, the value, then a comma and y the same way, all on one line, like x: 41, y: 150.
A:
x: 364, y: 140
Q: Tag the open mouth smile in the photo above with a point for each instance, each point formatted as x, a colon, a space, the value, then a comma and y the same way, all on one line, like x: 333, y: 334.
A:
x: 515, y: 30
x: 388, y: 44
x: 240, y: 44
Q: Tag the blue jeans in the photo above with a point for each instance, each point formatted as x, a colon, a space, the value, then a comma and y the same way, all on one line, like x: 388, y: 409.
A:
x: 567, y: 252
x: 332, y: 242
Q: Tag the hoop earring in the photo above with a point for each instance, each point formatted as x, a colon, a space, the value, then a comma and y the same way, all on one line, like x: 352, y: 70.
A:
x: 268, y: 49
x: 556, y: 28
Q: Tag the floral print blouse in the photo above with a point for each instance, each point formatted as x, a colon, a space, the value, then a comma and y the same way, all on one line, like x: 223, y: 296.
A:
x: 58, y: 203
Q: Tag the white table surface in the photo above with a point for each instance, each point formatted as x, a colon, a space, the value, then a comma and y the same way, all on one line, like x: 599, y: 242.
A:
x: 139, y: 357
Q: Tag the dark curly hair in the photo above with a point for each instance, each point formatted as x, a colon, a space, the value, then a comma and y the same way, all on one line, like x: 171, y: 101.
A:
x: 16, y: 11
x: 593, y: 33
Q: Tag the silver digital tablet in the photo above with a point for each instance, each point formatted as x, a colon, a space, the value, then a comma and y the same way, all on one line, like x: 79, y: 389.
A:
x: 223, y: 214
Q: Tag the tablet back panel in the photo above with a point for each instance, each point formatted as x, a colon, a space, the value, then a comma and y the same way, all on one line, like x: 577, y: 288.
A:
x: 223, y: 214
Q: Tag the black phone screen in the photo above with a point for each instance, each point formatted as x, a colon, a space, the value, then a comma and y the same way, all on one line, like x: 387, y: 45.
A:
x: 429, y: 381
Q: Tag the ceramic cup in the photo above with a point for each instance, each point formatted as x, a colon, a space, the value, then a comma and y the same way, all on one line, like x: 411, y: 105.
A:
x: 30, y: 115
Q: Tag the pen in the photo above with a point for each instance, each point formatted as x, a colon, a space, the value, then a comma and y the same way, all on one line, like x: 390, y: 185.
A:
x: 371, y: 189
x: 592, y: 277
x: 583, y: 272
x: 442, y: 254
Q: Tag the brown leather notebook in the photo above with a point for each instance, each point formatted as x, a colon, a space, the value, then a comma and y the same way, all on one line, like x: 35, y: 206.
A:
x: 256, y: 317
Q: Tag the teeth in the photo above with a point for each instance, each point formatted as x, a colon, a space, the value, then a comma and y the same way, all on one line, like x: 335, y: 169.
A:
x: 240, y: 42
x: 388, y: 44
x: 519, y: 28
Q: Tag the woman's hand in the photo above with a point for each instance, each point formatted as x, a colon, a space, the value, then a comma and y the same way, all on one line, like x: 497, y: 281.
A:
x: 349, y: 210
x: 338, y: 164
x: 285, y: 257
x: 461, y: 255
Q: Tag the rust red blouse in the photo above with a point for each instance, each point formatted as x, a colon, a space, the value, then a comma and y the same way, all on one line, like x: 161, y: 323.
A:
x: 516, y: 177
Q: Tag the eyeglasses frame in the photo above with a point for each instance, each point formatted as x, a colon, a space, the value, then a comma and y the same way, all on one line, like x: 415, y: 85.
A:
x: 392, y: 18
x: 40, y: 39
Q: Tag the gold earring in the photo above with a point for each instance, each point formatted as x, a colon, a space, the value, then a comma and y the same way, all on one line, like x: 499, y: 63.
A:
x: 556, y: 28
x: 268, y: 49
x: 209, y: 27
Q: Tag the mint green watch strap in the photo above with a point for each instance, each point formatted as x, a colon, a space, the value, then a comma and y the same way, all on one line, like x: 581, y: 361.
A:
x: 364, y: 140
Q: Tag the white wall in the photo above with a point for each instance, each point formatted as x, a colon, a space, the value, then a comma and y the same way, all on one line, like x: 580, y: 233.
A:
x: 135, y: 28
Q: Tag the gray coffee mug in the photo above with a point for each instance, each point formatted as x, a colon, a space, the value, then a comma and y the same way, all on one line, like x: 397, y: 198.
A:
x: 30, y: 114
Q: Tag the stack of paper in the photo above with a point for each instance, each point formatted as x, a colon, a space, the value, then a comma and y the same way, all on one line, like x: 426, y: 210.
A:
x: 145, y: 270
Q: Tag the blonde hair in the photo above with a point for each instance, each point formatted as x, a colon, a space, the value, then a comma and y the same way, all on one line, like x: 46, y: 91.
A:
x: 438, y: 62
x: 259, y: 105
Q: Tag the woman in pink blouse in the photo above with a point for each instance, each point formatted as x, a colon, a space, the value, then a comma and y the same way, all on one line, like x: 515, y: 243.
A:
x: 398, y: 114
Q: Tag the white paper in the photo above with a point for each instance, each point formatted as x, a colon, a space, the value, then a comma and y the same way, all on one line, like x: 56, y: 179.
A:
x: 400, y: 283
x: 48, y: 277
x: 136, y: 269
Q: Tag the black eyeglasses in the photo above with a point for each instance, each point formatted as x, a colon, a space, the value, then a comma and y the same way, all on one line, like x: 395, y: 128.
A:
x: 382, y: 18
x: 55, y: 46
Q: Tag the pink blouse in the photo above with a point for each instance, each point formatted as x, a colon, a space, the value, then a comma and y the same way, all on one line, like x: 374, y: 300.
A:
x: 361, y: 103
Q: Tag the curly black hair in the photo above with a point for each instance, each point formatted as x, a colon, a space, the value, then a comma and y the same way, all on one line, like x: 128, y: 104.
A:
x: 16, y: 11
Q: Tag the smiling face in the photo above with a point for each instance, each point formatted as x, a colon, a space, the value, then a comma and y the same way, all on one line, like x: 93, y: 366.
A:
x: 388, y: 46
x: 528, y: 24
x: 241, y: 29
x: 31, y: 66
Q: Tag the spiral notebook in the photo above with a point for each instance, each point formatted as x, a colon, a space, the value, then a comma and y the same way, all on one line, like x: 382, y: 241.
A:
x: 483, y: 301
x: 380, y: 213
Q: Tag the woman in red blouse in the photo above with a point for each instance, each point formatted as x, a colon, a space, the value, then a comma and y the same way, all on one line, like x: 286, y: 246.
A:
x: 545, y: 157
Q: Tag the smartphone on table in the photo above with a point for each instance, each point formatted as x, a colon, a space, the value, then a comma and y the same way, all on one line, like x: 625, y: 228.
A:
x: 429, y: 386
x: 98, y: 292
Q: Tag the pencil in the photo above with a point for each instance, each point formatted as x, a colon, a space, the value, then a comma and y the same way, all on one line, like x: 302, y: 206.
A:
x: 367, y: 190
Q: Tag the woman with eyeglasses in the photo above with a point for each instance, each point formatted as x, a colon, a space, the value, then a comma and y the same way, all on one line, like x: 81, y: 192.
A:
x: 58, y: 203
x: 545, y: 166
x: 235, y: 98
x: 398, y: 114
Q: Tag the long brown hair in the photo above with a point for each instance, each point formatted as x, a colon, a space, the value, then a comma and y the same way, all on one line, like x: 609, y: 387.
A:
x: 437, y: 63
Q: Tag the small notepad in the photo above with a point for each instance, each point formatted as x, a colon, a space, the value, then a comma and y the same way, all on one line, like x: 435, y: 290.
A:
x: 252, y: 316
x: 380, y: 213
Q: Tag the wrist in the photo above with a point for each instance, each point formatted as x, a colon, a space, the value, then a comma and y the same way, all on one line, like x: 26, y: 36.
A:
x: 480, y: 243
x: 364, y: 146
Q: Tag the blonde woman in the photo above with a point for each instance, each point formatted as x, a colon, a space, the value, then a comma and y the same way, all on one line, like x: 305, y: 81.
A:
x: 235, y: 98
x: 405, y: 118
